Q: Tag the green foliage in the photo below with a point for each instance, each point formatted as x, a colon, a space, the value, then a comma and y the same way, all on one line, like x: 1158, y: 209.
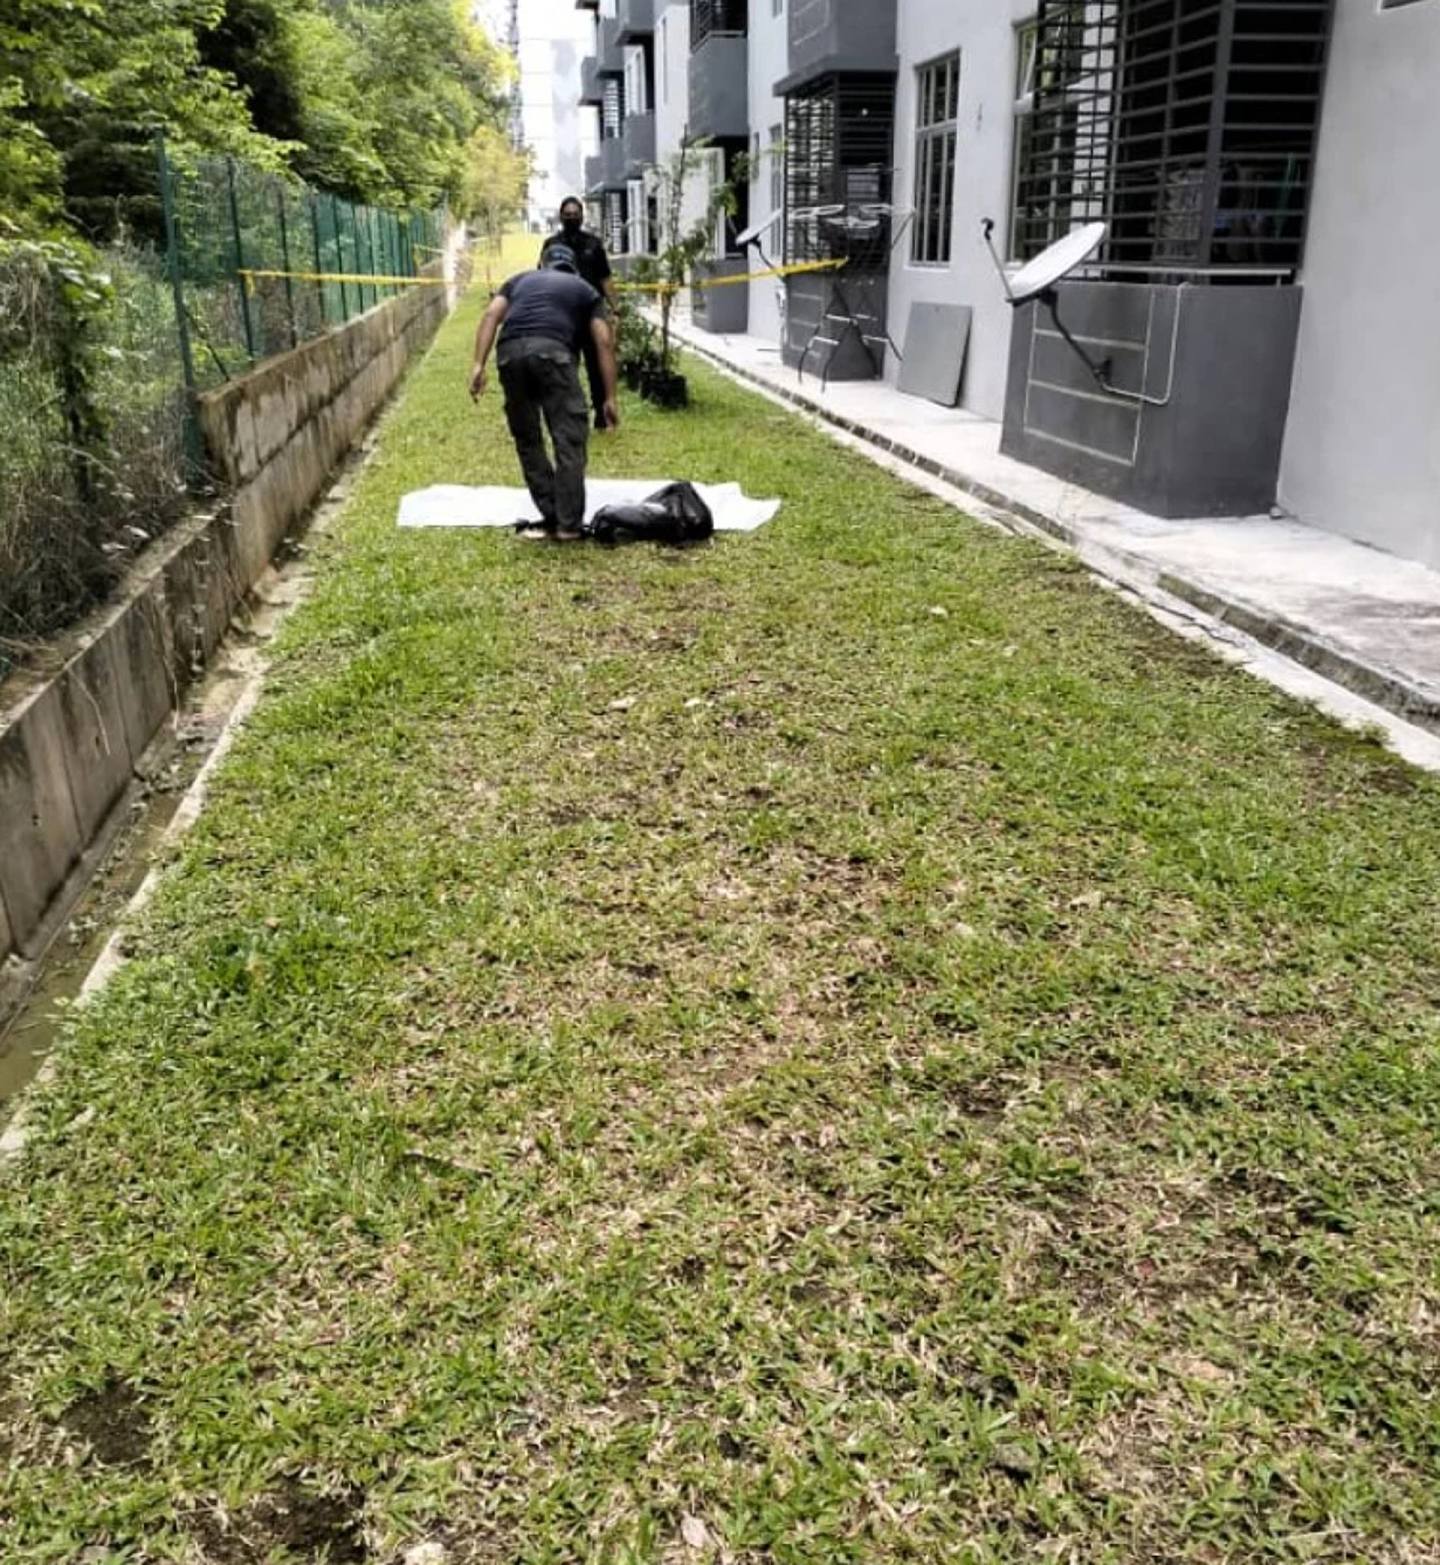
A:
x: 497, y: 178
x: 637, y: 343
x: 376, y: 101
x: 90, y: 403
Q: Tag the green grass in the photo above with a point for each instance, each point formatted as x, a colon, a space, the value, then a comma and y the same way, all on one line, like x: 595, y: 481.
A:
x: 846, y: 1045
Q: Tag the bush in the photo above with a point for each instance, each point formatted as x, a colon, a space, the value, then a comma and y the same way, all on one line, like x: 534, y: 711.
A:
x: 92, y: 405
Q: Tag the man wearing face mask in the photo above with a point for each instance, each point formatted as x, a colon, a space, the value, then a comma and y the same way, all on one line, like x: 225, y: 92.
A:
x: 593, y: 267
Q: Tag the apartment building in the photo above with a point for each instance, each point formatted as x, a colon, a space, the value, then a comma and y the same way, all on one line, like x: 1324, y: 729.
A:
x: 1262, y: 320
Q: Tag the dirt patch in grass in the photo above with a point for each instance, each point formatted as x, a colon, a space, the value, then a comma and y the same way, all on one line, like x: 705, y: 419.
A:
x: 325, y: 1528
x: 113, y: 1422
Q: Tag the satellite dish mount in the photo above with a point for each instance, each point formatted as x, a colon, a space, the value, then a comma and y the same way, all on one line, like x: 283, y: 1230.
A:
x: 1036, y: 281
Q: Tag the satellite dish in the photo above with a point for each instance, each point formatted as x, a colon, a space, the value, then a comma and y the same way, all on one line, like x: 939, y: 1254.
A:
x: 757, y: 230
x: 1036, y: 281
x: 1040, y: 275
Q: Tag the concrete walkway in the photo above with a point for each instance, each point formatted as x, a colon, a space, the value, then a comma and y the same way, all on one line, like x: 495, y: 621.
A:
x: 1366, y: 620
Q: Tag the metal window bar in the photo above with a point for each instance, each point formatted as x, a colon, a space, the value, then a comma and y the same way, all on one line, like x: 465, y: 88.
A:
x: 1189, y: 128
x: 838, y: 148
x: 612, y: 108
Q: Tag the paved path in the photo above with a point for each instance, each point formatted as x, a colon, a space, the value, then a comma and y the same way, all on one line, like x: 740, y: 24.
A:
x: 1360, y: 617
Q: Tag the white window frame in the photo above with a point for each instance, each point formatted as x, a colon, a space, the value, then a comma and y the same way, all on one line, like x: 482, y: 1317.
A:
x: 637, y: 215
x: 636, y: 101
x: 775, y: 151
x: 937, y: 136
x: 1027, y: 54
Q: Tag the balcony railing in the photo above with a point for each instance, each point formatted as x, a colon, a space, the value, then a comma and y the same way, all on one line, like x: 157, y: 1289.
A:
x: 612, y: 59
x: 837, y: 36
x: 719, y: 87
x: 639, y: 139
x: 612, y: 160
x: 636, y: 20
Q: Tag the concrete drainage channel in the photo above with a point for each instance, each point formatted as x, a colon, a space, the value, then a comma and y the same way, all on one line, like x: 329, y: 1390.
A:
x: 172, y: 782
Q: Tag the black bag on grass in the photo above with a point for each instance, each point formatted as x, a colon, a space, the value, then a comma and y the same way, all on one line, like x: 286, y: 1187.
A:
x: 674, y: 514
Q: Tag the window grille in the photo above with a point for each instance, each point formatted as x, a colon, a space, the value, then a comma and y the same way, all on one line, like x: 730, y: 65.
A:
x: 839, y: 133
x: 1187, y: 125
x: 612, y: 109
x: 615, y: 221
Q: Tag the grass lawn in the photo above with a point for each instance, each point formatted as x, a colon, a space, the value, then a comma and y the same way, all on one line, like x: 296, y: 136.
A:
x: 845, y: 1045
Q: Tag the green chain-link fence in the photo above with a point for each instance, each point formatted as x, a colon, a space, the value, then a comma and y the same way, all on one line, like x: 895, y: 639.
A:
x: 262, y: 264
x: 101, y: 351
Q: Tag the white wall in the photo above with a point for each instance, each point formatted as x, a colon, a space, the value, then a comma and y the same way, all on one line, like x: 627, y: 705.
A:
x: 1362, y: 447
x: 672, y: 78
x: 768, y: 51
x: 554, y: 38
x: 984, y: 32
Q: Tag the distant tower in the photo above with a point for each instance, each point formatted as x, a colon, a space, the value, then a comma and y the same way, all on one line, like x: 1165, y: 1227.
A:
x: 517, y: 97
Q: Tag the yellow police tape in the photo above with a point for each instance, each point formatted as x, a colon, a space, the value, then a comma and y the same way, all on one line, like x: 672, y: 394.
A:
x: 250, y: 273
x: 743, y: 277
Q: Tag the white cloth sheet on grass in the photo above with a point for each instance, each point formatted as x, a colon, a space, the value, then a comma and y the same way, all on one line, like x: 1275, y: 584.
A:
x: 458, y: 505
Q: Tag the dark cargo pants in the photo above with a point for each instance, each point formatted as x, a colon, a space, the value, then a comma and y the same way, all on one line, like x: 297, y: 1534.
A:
x: 597, y: 380
x: 542, y: 387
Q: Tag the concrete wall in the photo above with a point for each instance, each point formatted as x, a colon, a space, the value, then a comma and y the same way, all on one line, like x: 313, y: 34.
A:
x: 70, y: 740
x: 1362, y: 450
x: 984, y: 33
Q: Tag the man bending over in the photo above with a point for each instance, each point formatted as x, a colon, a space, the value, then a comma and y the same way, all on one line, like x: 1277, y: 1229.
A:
x: 544, y: 318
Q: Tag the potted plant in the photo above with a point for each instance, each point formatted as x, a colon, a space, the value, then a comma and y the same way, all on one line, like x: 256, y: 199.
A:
x: 636, y: 352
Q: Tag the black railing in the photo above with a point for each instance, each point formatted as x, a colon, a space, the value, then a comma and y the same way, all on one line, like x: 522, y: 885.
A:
x: 1189, y: 128
x: 838, y: 174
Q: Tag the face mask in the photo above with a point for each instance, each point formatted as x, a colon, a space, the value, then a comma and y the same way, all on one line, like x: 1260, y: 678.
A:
x: 571, y: 225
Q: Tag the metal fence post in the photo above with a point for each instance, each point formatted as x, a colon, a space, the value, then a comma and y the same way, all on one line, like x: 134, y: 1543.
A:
x: 340, y: 258
x: 240, y: 262
x: 285, y: 261
x: 193, y: 460
x: 366, y: 266
x: 314, y: 203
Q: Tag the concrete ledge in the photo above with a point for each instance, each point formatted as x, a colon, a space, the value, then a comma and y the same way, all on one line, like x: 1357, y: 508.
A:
x: 70, y: 740
x: 1396, y: 690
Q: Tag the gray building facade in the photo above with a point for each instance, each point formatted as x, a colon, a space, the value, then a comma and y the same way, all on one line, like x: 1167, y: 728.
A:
x: 1274, y: 158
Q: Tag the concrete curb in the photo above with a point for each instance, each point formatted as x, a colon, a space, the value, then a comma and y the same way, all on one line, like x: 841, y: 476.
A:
x: 1385, y: 687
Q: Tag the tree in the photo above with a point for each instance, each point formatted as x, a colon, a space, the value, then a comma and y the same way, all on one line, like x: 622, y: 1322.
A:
x: 374, y: 99
x: 685, y: 242
x: 496, y: 182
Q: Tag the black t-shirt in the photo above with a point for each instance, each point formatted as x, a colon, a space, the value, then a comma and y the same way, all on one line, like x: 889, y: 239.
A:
x: 590, y: 259
x: 550, y: 304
